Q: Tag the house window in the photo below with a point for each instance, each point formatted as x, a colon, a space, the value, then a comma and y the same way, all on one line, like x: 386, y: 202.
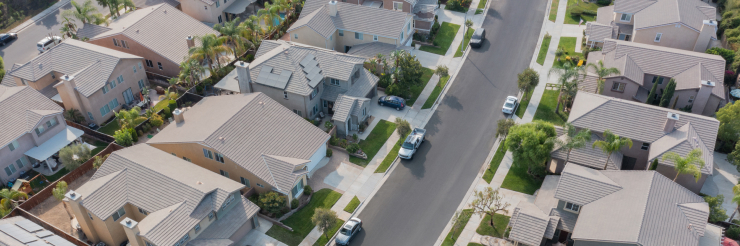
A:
x: 626, y: 17
x: 208, y: 154
x: 398, y: 6
x: 112, y: 84
x: 9, y: 170
x: 148, y: 244
x: 408, y: 27
x: 658, y: 36
x: 624, y: 37
x: 572, y: 207
x: 184, y: 239
x: 618, y: 86
x: 219, y: 18
x: 141, y: 84
x: 228, y: 201
x: 40, y: 130
x: 160, y: 64
x: 245, y: 182
x: 142, y: 211
x: 196, y: 228
x: 51, y: 122
x: 218, y: 5
x: 645, y: 146
x: 326, y: 104
x: 89, y: 115
x: 89, y: 215
x: 118, y: 214
x: 120, y: 79
x: 105, y: 89
x: 295, y: 35
x: 691, y: 99
x: 260, y: 185
x: 224, y: 173
x: 341, y: 33
x: 187, y: 159
x: 358, y: 36
x: 13, y: 145
x: 334, y: 82
x: 134, y: 69
x: 210, y: 216
x: 298, y: 112
x: 364, y: 111
x: 285, y: 94
x: 22, y: 162
x: 314, y: 93
x: 149, y: 63
x: 297, y: 188
x: 104, y: 110
x: 115, y: 43
x: 658, y: 79
x: 206, y: 7
x: 139, y: 65
x: 123, y: 43
x: 113, y: 103
x: 401, y: 35
x: 219, y: 157
x: 375, y: 37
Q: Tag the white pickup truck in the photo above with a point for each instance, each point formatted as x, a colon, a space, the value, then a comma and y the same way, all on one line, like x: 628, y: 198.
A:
x: 412, y: 143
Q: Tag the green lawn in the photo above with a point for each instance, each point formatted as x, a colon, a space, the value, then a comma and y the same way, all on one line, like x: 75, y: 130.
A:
x: 416, y: 90
x: 435, y: 93
x: 499, y: 221
x: 110, y: 128
x: 323, y: 240
x: 374, y: 141
x: 57, y: 175
x: 481, y: 5
x: 444, y: 38
x: 468, y: 35
x: 569, y: 44
x: 495, y: 162
x: 464, y: 218
x: 352, y: 205
x: 161, y: 104
x: 475, y: 244
x: 554, y: 10
x: 523, y: 104
x: 300, y: 221
x: 546, y: 109
x: 518, y: 180
x: 543, y: 49
x: 571, y: 19
x: 388, y: 160
x: 99, y: 146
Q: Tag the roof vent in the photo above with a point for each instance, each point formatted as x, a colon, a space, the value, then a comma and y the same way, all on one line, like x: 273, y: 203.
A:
x: 165, y: 11
x: 221, y: 138
x: 199, y: 183
x: 707, y: 83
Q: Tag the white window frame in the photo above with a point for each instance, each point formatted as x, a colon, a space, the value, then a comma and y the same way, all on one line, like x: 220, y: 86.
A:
x: 219, y: 157
x: 620, y: 86
x: 691, y: 99
x: 375, y: 37
x: 396, y: 8
x: 575, y: 208
x: 285, y: 94
x: 359, y: 36
x: 119, y: 214
x: 341, y: 33
x: 13, y: 145
x: 628, y: 19
x: 295, y: 35
x: 658, y: 36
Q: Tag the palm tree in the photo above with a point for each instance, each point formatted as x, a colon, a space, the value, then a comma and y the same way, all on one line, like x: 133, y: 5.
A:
x: 209, y: 50
x: 735, y: 199
x: 59, y: 193
x: 252, y: 26
x: 574, y: 139
x: 233, y: 34
x: 73, y: 115
x: 692, y: 164
x: 568, y: 92
x: 127, y: 118
x: 68, y: 29
x: 83, y: 12
x: 9, y: 198
x: 602, y: 72
x: 611, y: 143
x: 568, y: 73
x: 112, y: 5
x: 190, y: 71
x: 270, y: 13
x: 128, y: 5
x: 168, y: 95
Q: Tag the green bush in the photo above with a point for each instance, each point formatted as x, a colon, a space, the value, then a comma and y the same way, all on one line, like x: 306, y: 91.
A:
x: 393, y: 90
x: 294, y: 204
x: 435, y: 28
x: 654, y: 165
x: 272, y: 202
x: 578, y: 11
x: 140, y: 133
x: 134, y: 136
x: 733, y: 232
x: 307, y: 190
x: 123, y: 138
x: 603, y: 2
x: 172, y: 105
x: 329, y: 153
x: 353, y: 148
x: 166, y: 112
x: 728, y: 55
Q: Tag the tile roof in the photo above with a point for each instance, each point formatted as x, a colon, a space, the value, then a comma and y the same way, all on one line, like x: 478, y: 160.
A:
x: 161, y: 28
x: 682, y: 140
x: 605, y: 15
x: 598, y: 32
x: 21, y: 109
x: 371, y: 49
x: 528, y: 224
x: 588, y: 156
x: 351, y: 17
x: 345, y: 106
x: 185, y: 192
x: 245, y: 127
x: 660, y: 12
x: 149, y: 3
x: 581, y: 185
x: 90, y: 64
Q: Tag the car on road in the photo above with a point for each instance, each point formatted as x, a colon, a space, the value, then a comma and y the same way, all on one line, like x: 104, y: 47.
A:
x: 48, y: 42
x: 392, y: 101
x: 478, y: 37
x: 349, y: 230
x: 7, y: 37
x: 510, y: 105
x: 412, y: 143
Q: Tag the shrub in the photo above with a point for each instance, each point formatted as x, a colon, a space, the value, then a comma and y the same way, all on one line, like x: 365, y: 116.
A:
x: 250, y: 58
x: 166, y: 112
x: 603, y: 2
x: 148, y: 126
x: 272, y: 202
x: 255, y: 198
x: 343, y: 143
x: 172, y: 105
x: 294, y: 204
x: 728, y: 55
x: 578, y: 11
x: 385, y: 80
x: 654, y: 165
x: 329, y: 153
x: 393, y: 90
x: 328, y: 125
x: 134, y: 136
x: 307, y: 190
x: 435, y: 27
x: 435, y: 43
x: 333, y: 140
x: 354, y: 137
x: 123, y: 138
x: 404, y: 127
x: 140, y: 133
x: 353, y: 148
x: 733, y: 232
x: 156, y: 121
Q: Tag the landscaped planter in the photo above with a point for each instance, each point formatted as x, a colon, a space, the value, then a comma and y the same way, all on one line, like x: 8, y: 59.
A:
x: 337, y: 148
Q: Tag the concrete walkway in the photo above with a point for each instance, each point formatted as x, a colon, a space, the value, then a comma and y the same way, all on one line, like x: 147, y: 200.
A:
x: 721, y: 182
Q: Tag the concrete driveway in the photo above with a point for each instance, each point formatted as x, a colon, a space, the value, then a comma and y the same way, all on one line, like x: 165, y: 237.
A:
x: 721, y: 182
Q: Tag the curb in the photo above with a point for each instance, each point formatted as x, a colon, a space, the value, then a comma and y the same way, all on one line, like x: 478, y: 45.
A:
x: 48, y: 11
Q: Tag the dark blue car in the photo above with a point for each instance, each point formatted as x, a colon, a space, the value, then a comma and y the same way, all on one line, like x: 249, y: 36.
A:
x: 392, y: 101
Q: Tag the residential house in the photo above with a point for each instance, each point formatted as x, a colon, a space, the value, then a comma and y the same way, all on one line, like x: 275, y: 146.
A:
x: 680, y: 24
x: 249, y: 138
x: 93, y: 79
x: 33, y: 130
x: 216, y: 11
x: 19, y: 231
x: 340, y: 26
x: 145, y: 197
x: 161, y: 34
x: 584, y: 206
x: 349, y: 113
x: 586, y: 156
x: 699, y: 76
x: 654, y: 131
x: 305, y: 79
x: 424, y: 10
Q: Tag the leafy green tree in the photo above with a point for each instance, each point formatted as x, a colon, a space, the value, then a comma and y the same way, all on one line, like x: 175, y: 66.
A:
x: 527, y: 80
x: 665, y: 100
x: 531, y: 144
x: 441, y: 71
x: 729, y: 123
x: 735, y: 200
x: 691, y: 164
x: 74, y: 155
x: 211, y: 46
x: 410, y: 71
x: 272, y: 202
x: 99, y: 160
x: 59, y: 192
x: 251, y: 25
x: 728, y: 55
x: 573, y: 139
x: 403, y: 127
x: 734, y: 156
x: 653, y: 90
x: 503, y: 127
x: 611, y: 143
x: 716, y: 212
x: 123, y: 137
x: 324, y: 219
x: 9, y: 200
x: 602, y: 72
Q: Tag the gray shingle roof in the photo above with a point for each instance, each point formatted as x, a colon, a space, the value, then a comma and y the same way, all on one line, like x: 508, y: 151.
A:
x: 161, y: 28
x: 682, y: 140
x: 588, y: 156
x: 345, y: 106
x: 660, y: 12
x: 90, y: 64
x: 598, y: 32
x: 581, y: 185
x: 21, y: 108
x: 371, y: 49
x: 528, y: 223
x: 245, y: 127
x: 643, y: 123
x: 185, y: 192
x: 605, y: 15
x: 351, y: 17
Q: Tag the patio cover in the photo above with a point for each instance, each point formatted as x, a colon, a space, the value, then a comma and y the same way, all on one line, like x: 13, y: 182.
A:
x: 54, y: 144
x: 238, y: 7
x: 229, y: 82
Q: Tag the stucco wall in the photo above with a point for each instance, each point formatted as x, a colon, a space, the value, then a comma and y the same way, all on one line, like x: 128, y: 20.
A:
x: 26, y: 142
x: 169, y: 68
x: 349, y: 40
x: 293, y: 102
x: 425, y: 25
x: 686, y: 180
x: 308, y: 36
x: 197, y: 10
x: 674, y: 36
x: 630, y: 89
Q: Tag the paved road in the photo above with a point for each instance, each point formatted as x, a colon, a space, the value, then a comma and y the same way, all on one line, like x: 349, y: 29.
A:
x: 418, y: 199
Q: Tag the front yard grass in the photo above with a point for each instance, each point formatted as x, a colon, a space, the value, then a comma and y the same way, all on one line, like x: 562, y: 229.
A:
x: 495, y: 162
x: 465, y: 42
x: 464, y: 218
x: 388, y: 160
x: 523, y: 104
x: 110, y: 128
x: 352, y: 205
x: 374, y: 141
x: 554, y: 10
x: 416, y: 90
x: 518, y: 180
x: 300, y: 221
x: 323, y: 240
x: 445, y: 35
x: 569, y: 45
x: 546, y: 109
x: 543, y: 49
x: 435, y: 93
x: 574, y: 19
x: 499, y: 221
x: 481, y: 6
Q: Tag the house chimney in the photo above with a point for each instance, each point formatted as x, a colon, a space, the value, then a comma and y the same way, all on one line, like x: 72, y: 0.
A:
x: 132, y: 231
x: 243, y: 77
x: 332, y: 8
x: 179, y: 116
x: 670, y: 122
x: 67, y: 86
x: 708, y: 29
x: 700, y: 101
x: 191, y: 42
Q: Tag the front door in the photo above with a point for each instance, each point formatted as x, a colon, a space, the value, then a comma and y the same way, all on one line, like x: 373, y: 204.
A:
x: 330, y: 105
x: 563, y: 237
x: 128, y: 96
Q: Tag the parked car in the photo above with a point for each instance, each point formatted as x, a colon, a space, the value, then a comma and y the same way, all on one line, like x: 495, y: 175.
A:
x: 510, y: 105
x: 7, y: 37
x: 478, y: 37
x: 46, y: 43
x: 412, y: 143
x: 349, y: 230
x: 392, y: 101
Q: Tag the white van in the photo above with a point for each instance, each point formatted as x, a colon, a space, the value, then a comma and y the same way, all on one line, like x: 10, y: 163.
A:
x: 46, y: 43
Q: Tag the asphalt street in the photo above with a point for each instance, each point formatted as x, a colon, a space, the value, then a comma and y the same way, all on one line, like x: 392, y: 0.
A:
x: 418, y: 199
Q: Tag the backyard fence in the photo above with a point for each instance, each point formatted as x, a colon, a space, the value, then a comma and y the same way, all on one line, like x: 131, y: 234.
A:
x: 92, y: 133
x: 25, y: 214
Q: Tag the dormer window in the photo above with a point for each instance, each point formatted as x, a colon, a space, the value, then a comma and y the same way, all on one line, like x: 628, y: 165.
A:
x: 626, y: 17
x: 572, y: 207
